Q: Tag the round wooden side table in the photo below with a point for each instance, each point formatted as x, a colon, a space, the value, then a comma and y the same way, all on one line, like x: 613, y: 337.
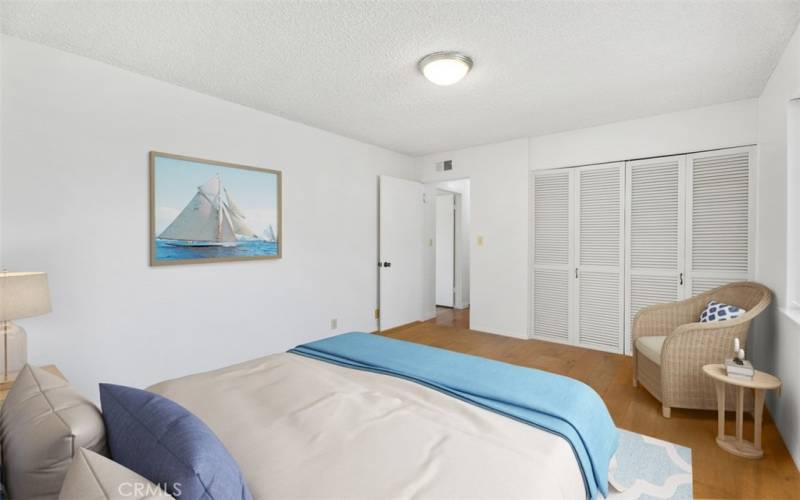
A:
x: 760, y: 383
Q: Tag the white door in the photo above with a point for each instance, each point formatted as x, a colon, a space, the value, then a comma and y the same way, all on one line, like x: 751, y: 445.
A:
x: 719, y: 218
x: 654, y: 235
x: 599, y: 256
x: 445, y: 250
x: 551, y: 257
x: 400, y: 252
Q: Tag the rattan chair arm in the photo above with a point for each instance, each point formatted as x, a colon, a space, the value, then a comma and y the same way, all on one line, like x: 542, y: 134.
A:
x: 663, y: 319
x: 693, y: 345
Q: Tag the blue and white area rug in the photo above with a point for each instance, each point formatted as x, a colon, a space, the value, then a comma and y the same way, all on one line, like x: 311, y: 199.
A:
x: 647, y: 468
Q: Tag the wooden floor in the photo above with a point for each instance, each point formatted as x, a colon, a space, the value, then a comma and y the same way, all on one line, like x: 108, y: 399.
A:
x: 717, y: 474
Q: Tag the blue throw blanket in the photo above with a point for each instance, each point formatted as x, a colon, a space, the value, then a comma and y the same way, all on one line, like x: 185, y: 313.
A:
x: 554, y: 403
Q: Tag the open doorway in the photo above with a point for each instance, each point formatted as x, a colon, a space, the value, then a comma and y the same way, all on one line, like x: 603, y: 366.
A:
x: 445, y: 249
x: 447, y: 260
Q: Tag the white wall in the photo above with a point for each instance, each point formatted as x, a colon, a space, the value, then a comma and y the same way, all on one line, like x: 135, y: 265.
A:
x: 793, y: 206
x: 463, y: 239
x: 445, y: 249
x: 76, y: 134
x: 777, y: 334
x: 428, y: 298
x: 498, y: 201
x: 724, y: 125
x: 2, y: 99
x: 499, y: 190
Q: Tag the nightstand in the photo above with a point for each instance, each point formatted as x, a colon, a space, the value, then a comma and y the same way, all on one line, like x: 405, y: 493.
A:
x: 6, y: 386
x: 760, y: 383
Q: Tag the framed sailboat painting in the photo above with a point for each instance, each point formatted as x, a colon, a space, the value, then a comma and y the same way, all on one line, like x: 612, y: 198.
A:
x: 210, y: 211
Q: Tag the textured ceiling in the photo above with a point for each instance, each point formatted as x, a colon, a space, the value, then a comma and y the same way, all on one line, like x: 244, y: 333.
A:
x: 350, y: 67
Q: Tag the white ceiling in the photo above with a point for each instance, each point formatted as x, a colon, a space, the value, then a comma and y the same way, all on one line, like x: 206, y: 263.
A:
x: 350, y: 67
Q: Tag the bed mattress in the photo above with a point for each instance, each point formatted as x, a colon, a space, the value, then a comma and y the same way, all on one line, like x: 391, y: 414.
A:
x: 304, y: 428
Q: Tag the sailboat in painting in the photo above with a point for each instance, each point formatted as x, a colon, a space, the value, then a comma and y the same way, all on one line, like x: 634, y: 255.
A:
x: 208, y: 220
x: 240, y: 227
x: 269, y: 234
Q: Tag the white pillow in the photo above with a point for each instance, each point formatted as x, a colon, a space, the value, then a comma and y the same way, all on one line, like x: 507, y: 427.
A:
x: 716, y: 311
x: 94, y: 477
x: 43, y: 421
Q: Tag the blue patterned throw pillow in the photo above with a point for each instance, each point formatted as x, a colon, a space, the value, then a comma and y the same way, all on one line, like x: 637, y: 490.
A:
x: 716, y: 311
x: 162, y: 441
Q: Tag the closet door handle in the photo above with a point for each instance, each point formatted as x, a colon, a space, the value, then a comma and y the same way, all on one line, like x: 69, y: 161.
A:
x: 576, y: 273
x: 681, y: 278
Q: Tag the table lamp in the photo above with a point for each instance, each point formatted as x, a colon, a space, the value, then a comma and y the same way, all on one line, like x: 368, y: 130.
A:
x: 22, y: 295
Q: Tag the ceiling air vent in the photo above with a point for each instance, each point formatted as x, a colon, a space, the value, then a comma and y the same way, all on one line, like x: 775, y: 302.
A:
x: 444, y: 166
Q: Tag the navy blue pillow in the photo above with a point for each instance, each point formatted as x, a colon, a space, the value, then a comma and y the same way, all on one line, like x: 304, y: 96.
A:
x: 167, y: 444
x: 717, y: 311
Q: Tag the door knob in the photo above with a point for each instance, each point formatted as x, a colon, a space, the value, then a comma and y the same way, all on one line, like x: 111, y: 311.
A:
x: 387, y: 264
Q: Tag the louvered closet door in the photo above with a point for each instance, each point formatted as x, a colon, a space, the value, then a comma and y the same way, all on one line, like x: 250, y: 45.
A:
x: 599, y: 256
x: 551, y: 261
x: 719, y: 218
x: 655, y: 241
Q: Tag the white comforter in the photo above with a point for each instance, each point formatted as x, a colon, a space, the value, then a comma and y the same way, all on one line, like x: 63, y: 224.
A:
x: 302, y: 428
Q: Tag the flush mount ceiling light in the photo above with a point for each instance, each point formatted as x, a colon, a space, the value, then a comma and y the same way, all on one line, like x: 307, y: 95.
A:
x: 445, y: 68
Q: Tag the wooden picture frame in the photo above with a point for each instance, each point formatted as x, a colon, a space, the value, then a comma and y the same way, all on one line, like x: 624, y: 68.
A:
x: 195, y: 220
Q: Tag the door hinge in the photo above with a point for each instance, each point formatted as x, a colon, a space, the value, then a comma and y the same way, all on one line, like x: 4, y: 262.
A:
x: 377, y: 314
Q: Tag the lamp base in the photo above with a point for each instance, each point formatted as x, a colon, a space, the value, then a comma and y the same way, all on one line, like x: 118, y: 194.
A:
x: 15, y: 351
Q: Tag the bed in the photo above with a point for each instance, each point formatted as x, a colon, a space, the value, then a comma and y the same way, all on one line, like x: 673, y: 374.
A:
x: 304, y: 427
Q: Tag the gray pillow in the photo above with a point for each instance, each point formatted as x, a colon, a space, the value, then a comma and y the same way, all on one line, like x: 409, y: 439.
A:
x: 43, y: 423
x: 94, y: 477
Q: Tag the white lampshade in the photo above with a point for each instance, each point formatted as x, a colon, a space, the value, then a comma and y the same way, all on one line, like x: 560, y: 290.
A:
x: 445, y: 68
x: 23, y: 295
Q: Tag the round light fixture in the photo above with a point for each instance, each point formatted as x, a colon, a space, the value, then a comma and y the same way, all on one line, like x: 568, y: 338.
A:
x: 445, y: 68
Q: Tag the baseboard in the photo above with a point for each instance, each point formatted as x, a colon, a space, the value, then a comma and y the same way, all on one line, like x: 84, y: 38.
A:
x: 479, y: 328
x: 400, y: 327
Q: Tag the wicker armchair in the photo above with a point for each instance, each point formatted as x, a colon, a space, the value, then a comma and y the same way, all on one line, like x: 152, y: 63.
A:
x: 670, y: 346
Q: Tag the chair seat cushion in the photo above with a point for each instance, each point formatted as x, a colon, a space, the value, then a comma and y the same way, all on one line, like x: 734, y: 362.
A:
x: 651, y: 347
